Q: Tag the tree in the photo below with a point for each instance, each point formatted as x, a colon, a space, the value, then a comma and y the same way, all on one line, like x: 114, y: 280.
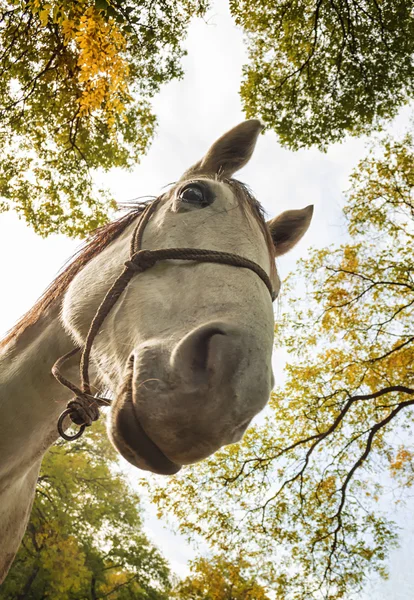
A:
x: 219, y: 579
x: 85, y: 539
x: 301, y: 496
x: 319, y: 70
x: 76, y: 83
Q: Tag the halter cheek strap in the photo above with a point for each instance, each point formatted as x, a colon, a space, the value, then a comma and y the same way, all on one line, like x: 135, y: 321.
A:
x: 83, y: 409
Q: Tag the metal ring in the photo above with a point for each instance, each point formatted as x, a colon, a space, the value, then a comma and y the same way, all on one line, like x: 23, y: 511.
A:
x: 62, y: 433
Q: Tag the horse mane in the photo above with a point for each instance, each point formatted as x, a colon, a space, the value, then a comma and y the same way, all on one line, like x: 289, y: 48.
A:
x: 105, y: 235
x: 98, y: 240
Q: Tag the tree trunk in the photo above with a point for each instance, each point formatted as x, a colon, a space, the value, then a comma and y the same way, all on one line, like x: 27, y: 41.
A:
x: 93, y: 590
x: 29, y: 582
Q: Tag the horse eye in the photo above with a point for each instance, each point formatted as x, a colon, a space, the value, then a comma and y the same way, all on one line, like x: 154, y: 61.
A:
x: 194, y: 194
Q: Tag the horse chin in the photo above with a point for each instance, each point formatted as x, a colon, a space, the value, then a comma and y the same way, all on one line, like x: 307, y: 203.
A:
x: 132, y: 442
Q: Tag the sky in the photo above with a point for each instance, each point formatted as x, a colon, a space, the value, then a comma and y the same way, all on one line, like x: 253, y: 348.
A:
x: 192, y: 113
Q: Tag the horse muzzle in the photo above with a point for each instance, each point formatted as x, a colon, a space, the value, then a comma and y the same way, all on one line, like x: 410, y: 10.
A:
x: 179, y: 405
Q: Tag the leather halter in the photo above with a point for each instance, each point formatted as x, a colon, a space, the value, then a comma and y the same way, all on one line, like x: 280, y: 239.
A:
x: 83, y: 409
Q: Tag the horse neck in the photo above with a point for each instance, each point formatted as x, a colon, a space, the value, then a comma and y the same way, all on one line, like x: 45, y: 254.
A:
x: 30, y: 398
x: 30, y: 403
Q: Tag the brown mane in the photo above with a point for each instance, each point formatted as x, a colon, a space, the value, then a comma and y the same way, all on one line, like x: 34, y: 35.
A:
x: 99, y: 240
x: 105, y: 235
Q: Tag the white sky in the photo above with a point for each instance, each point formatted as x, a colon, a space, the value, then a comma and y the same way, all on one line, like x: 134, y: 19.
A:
x: 192, y: 113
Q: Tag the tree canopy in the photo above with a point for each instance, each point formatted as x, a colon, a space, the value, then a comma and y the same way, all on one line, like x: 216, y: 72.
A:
x: 319, y: 70
x: 77, y: 79
x: 301, y: 495
x: 85, y: 537
x: 219, y: 578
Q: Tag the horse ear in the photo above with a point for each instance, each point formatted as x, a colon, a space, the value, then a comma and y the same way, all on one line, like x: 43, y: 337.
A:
x: 289, y: 227
x: 230, y: 152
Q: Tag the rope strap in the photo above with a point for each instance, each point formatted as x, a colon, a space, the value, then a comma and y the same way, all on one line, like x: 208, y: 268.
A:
x: 83, y: 409
x: 145, y: 259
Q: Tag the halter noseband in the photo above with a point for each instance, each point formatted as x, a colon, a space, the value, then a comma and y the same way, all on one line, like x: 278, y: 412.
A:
x: 83, y: 409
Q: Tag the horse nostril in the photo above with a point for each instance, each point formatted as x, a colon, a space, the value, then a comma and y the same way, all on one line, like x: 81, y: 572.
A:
x: 207, y: 349
x: 204, y: 348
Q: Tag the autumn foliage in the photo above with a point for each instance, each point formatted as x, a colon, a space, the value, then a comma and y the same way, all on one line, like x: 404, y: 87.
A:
x: 219, y: 579
x: 77, y: 79
x: 85, y: 537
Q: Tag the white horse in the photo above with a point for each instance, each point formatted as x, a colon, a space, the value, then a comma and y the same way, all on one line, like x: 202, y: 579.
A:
x: 186, y: 349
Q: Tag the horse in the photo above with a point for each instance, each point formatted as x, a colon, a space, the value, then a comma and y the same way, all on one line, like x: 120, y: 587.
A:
x: 184, y: 347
